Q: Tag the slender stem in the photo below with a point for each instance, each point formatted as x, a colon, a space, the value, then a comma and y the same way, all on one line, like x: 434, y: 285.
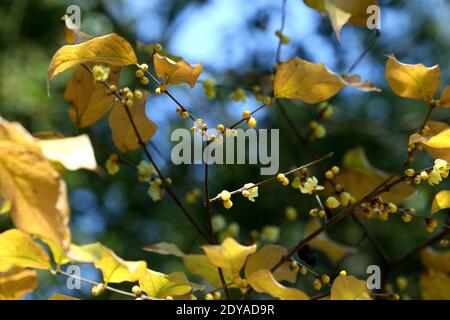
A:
x: 283, y: 22
x: 263, y: 182
x: 366, y: 50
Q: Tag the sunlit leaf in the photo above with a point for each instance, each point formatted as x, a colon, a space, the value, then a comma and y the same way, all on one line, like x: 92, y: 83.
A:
x: 123, y: 134
x: 434, y: 260
x: 441, y: 201
x: 90, y: 99
x: 16, y: 283
x: 356, y: 82
x: 160, y: 285
x: 58, y: 252
x: 230, y: 255
x: 435, y: 286
x: 27, y: 179
x: 445, y: 97
x: 199, y: 265
x: 5, y: 206
x: 114, y: 269
x: 176, y: 72
x: 165, y: 249
x: 17, y: 249
x: 359, y: 178
x: 61, y: 297
x: 413, y: 81
x: 349, y: 288
x: 338, y: 17
x: 307, y: 81
x: 331, y: 249
x: 111, y: 49
x: 264, y: 282
x: 266, y: 258
x: 73, y: 153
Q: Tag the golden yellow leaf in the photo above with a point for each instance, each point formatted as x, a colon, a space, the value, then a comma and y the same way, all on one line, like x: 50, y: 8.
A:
x: 445, y: 97
x: 111, y: 49
x: 356, y: 82
x: 73, y: 153
x: 435, y: 286
x: 330, y: 248
x: 123, y: 134
x: 413, y: 81
x: 349, y: 288
x: 199, y: 265
x: 160, y: 285
x: 436, y: 142
x: 165, y: 249
x: 441, y: 201
x: 230, y: 255
x: 58, y: 252
x: 434, y: 260
x: 61, y: 297
x: 359, y: 178
x: 338, y: 17
x: 5, y: 206
x: 266, y: 258
x: 16, y: 283
x: 307, y: 81
x: 17, y: 249
x: 90, y: 99
x: 28, y: 180
x: 114, y: 269
x: 263, y: 281
x: 176, y: 72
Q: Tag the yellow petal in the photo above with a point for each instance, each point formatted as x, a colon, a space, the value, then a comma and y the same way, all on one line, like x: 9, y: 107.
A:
x: 73, y: 153
x: 413, y: 81
x: 331, y: 249
x: 434, y: 260
x: 111, y: 49
x: 123, y: 134
x: 114, y: 269
x: 176, y: 72
x: 16, y: 283
x: 441, y: 201
x: 307, y: 81
x: 266, y: 258
x: 90, y: 99
x: 230, y: 255
x: 264, y: 282
x: 435, y: 286
x: 199, y: 265
x: 160, y: 285
x: 349, y: 288
x: 35, y: 189
x: 17, y: 249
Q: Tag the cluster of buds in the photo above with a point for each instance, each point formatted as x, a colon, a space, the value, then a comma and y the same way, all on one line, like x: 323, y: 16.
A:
x: 316, y: 131
x: 140, y: 74
x: 210, y: 89
x: 325, y: 110
x: 251, y: 121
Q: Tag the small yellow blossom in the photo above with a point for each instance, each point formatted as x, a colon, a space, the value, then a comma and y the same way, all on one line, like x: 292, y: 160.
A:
x: 225, y: 195
x: 332, y: 203
x: 442, y: 167
x: 346, y: 198
x: 112, y: 164
x: 270, y: 233
x: 100, y: 73
x: 155, y: 191
x: 145, y: 170
x: 251, y: 193
x: 227, y: 204
x: 239, y: 95
x: 310, y: 186
x: 434, y: 177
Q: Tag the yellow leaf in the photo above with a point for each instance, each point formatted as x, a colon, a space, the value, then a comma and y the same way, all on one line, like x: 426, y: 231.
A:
x: 5, y: 206
x: 441, y: 201
x: 35, y: 189
x: 359, y: 178
x: 16, y: 283
x: 111, y: 49
x: 445, y: 97
x: 123, y: 134
x: 165, y: 249
x: 349, y: 288
x: 73, y: 153
x: 230, y: 255
x: 436, y: 142
x: 435, y: 260
x: 17, y: 249
x: 307, y: 81
x: 199, y: 265
x: 90, y: 99
x: 176, y: 72
x: 263, y: 281
x: 435, y: 286
x: 338, y: 17
x: 114, y: 269
x: 58, y: 252
x: 331, y: 249
x: 413, y: 81
x: 356, y: 82
x: 61, y: 297
x: 160, y: 285
x: 266, y: 258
